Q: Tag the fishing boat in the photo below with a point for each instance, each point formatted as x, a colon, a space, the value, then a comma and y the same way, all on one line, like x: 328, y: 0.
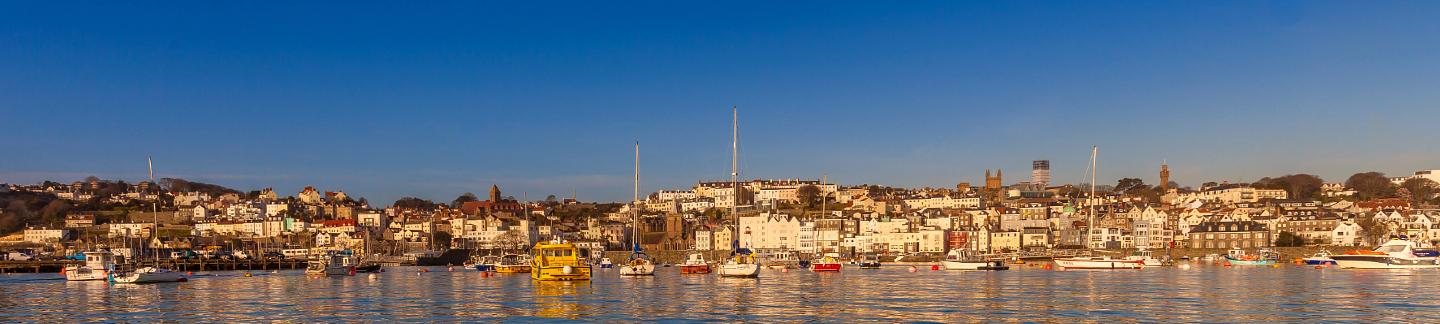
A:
x: 558, y: 260
x: 512, y: 263
x: 870, y: 261
x: 606, y: 264
x: 779, y: 260
x: 1393, y: 254
x: 742, y: 262
x: 156, y: 273
x: 332, y: 263
x: 485, y: 263
x: 638, y: 263
x: 830, y: 262
x: 1238, y: 257
x: 1146, y: 257
x: 961, y: 259
x: 1096, y: 262
x: 1319, y: 258
x: 695, y: 263
x: 994, y: 265
x: 98, y: 265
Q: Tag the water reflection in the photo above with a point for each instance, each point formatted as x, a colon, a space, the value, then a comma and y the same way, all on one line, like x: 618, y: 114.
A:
x: 1200, y: 294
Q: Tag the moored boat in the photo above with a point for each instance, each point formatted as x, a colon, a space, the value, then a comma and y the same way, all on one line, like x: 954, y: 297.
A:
x: 779, y: 260
x: 742, y: 264
x: 558, y: 260
x: 1099, y: 263
x: 98, y: 265
x: 639, y: 264
x: 1146, y: 257
x: 512, y: 263
x: 1238, y: 257
x: 695, y: 263
x: 960, y: 259
x: 485, y: 263
x: 333, y: 263
x: 606, y: 264
x: 1394, y: 254
x: 870, y: 261
x: 148, y: 275
x: 1319, y: 258
x: 828, y: 263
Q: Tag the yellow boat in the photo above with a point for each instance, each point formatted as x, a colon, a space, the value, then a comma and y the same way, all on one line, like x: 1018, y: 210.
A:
x: 512, y: 263
x: 558, y: 260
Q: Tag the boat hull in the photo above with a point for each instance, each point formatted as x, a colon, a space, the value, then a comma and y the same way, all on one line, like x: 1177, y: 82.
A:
x: 1319, y: 261
x: 1383, y: 262
x: 744, y: 270
x: 331, y: 271
x: 869, y: 265
x: 1099, y: 264
x: 561, y: 273
x: 85, y: 274
x: 695, y: 269
x: 150, y: 277
x: 825, y: 267
x: 961, y: 265
x: 512, y: 269
x: 637, y: 270
x: 484, y: 267
x: 1237, y: 262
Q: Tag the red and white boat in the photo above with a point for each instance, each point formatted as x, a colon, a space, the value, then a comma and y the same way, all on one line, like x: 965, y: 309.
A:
x: 695, y: 263
x: 1099, y: 263
x: 829, y: 263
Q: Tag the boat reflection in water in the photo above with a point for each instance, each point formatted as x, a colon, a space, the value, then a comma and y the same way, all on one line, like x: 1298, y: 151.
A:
x: 552, y: 299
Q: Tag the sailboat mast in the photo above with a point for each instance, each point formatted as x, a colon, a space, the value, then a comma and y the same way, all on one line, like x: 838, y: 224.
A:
x: 735, y: 169
x: 635, y: 202
x: 154, y: 206
x: 1094, y: 168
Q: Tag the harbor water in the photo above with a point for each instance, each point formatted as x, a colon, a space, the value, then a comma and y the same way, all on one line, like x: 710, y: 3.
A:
x: 1193, y: 293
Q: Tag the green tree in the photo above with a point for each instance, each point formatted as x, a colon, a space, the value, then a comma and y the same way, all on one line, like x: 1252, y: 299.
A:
x: 1371, y: 185
x: 1298, y: 186
x: 1287, y: 239
x: 1421, y: 190
x: 809, y: 195
x: 462, y: 199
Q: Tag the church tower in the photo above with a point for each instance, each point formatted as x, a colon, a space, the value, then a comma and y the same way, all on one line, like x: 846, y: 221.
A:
x: 994, y: 182
x: 494, y: 194
x: 1164, y: 177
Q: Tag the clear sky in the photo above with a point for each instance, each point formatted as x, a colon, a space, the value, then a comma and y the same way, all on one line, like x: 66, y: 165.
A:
x: 386, y: 100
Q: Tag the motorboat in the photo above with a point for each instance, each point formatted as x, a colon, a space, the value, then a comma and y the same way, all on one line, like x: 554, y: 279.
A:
x: 780, y: 260
x: 1146, y: 257
x: 512, y: 263
x: 98, y: 266
x: 830, y: 262
x: 1319, y: 258
x: 695, y: 263
x: 870, y: 261
x: 606, y: 264
x: 1098, y: 262
x: 558, y: 260
x: 1238, y: 257
x: 333, y: 263
x: 148, y: 275
x: 1394, y: 254
x: 959, y: 259
x: 485, y: 263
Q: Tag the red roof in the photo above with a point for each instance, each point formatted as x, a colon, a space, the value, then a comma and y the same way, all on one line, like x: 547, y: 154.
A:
x: 338, y: 223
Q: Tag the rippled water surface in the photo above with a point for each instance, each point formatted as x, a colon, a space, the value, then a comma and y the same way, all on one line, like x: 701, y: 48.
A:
x: 1201, y: 293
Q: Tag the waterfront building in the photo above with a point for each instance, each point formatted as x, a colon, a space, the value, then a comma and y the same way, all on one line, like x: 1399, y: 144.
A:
x: 1229, y: 235
x: 43, y: 235
x: 79, y: 220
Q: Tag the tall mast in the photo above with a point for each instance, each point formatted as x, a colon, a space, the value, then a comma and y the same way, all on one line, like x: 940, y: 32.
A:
x: 635, y: 202
x: 1094, y: 168
x: 155, y: 206
x: 735, y: 170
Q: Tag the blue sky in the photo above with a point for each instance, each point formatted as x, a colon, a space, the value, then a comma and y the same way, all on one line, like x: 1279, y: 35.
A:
x: 387, y: 100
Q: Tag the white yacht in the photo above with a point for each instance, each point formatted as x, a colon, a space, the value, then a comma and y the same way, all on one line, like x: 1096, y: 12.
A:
x: 742, y: 262
x: 1146, y: 257
x: 334, y: 263
x: 960, y: 259
x: 1395, y: 254
x: 639, y: 263
x: 149, y: 275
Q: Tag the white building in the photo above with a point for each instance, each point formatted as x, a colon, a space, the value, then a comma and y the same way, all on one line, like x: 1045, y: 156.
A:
x: 44, y: 235
x: 770, y: 231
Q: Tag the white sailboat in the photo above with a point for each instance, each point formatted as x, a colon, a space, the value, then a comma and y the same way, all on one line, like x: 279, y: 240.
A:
x: 639, y: 263
x: 742, y: 261
x: 1096, y: 262
x: 156, y: 273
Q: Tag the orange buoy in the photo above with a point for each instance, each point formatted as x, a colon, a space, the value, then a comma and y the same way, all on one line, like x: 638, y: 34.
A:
x: 1227, y: 264
x: 1048, y: 267
x: 785, y: 270
x: 934, y: 267
x: 450, y: 268
x: 912, y: 269
x: 189, y: 273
